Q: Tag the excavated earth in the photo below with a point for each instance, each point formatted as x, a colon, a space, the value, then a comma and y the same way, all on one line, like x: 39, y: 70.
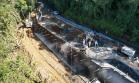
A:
x: 46, y: 65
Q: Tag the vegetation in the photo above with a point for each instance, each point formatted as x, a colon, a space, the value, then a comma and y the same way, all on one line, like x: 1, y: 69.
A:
x: 25, y: 6
x: 118, y: 17
x: 12, y: 70
x: 16, y: 71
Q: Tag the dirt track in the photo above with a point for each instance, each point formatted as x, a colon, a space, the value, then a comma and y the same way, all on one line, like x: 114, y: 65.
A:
x: 45, y: 63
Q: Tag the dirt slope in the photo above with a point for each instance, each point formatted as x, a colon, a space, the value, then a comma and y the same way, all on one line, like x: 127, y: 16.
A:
x: 46, y: 64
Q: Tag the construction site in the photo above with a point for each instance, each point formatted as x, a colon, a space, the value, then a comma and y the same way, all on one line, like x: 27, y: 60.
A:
x: 89, y: 56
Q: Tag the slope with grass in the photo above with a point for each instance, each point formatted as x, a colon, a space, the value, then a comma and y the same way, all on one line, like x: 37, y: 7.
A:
x: 13, y: 65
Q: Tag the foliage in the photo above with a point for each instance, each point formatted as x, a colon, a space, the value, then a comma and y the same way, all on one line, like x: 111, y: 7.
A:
x: 8, y: 19
x: 25, y: 6
x: 16, y: 71
x: 12, y: 71
x: 118, y: 17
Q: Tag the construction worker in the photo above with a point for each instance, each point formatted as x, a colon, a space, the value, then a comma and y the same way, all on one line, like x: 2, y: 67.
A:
x: 84, y: 42
x: 96, y: 43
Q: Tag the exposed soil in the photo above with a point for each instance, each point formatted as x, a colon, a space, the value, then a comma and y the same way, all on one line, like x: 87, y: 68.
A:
x: 46, y: 65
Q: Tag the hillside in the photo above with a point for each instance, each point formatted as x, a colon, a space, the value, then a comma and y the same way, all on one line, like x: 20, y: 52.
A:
x: 43, y: 54
x: 23, y: 59
x: 14, y: 67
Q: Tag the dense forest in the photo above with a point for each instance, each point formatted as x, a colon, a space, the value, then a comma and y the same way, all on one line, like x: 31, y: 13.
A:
x: 13, y: 70
x: 118, y: 18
